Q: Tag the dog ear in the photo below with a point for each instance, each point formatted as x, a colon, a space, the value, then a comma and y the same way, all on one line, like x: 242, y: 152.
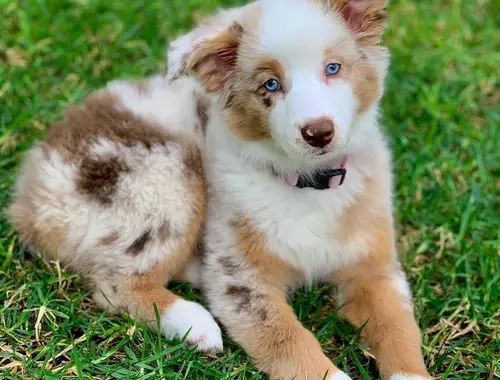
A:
x: 181, y: 49
x: 213, y: 61
x: 366, y: 18
x: 178, y: 54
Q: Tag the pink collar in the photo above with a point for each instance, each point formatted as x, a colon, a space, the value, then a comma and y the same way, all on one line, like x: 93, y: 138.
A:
x: 322, y: 180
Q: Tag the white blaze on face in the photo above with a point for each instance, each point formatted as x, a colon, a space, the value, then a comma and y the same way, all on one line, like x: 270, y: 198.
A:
x: 297, y: 34
x: 343, y: 108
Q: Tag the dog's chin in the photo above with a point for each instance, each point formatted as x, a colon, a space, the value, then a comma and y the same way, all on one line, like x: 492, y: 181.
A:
x: 308, y: 155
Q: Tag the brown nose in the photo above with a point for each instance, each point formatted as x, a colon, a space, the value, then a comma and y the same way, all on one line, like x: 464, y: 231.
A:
x: 318, y: 132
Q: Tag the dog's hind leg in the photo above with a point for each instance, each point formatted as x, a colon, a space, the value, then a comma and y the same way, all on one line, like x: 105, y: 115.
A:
x: 145, y: 295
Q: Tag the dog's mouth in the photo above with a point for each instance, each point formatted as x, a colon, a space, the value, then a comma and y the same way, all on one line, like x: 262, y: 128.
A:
x: 322, y: 179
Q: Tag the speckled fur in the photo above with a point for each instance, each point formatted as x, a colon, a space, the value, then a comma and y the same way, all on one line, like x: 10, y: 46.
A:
x: 116, y: 191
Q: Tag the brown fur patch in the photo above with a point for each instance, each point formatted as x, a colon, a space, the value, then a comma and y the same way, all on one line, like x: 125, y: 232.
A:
x: 98, y: 177
x: 356, y: 224
x: 98, y: 117
x: 267, y: 101
x: 230, y: 266
x: 202, y: 112
x: 199, y: 248
x: 248, y: 110
x: 263, y: 315
x: 139, y: 244
x: 242, y: 295
x: 357, y: 71
x: 367, y: 85
x: 269, y: 68
x: 109, y: 239
x: 229, y: 100
x: 141, y: 293
x: 101, y: 116
x: 245, y: 123
x: 214, y: 60
x: 193, y: 160
x: 164, y: 231
x: 365, y: 18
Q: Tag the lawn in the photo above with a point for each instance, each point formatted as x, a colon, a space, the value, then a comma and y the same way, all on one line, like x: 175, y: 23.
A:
x: 441, y: 112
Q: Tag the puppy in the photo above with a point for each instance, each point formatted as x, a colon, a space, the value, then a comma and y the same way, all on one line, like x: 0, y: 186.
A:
x: 299, y: 178
x: 116, y: 191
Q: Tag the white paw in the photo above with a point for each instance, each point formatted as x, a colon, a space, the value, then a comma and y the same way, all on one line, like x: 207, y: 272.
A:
x: 340, y: 376
x: 185, y: 315
x: 406, y: 376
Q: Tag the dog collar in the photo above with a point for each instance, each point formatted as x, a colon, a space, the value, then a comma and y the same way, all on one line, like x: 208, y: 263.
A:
x: 321, y: 180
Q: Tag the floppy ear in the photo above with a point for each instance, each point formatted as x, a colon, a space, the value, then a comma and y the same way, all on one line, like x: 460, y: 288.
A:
x: 181, y: 49
x: 365, y: 18
x: 213, y: 61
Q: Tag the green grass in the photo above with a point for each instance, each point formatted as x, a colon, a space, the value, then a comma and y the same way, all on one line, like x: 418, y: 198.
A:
x: 441, y: 112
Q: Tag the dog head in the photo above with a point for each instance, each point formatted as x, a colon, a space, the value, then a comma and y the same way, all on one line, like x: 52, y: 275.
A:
x: 297, y: 73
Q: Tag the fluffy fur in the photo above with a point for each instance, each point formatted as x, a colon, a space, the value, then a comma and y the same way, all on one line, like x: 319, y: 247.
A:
x: 116, y: 191
x: 265, y: 237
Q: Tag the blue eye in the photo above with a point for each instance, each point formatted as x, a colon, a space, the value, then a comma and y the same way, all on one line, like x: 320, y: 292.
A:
x: 332, y: 68
x: 272, y: 85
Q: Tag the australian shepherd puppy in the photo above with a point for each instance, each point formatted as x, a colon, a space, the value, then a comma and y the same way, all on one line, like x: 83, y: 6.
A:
x: 299, y: 178
x: 116, y: 191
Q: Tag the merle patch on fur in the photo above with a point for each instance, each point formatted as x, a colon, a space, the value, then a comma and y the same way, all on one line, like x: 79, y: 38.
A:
x: 247, y: 300
x: 164, y: 231
x: 242, y: 294
x: 109, y: 239
x: 262, y: 313
x: 202, y: 112
x: 139, y: 243
x: 98, y: 177
x: 199, y: 248
x: 193, y: 160
x: 230, y: 99
x: 100, y: 117
x: 229, y: 265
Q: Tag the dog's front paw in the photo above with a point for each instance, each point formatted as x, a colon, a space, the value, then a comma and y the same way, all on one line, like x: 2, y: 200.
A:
x: 186, y: 316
